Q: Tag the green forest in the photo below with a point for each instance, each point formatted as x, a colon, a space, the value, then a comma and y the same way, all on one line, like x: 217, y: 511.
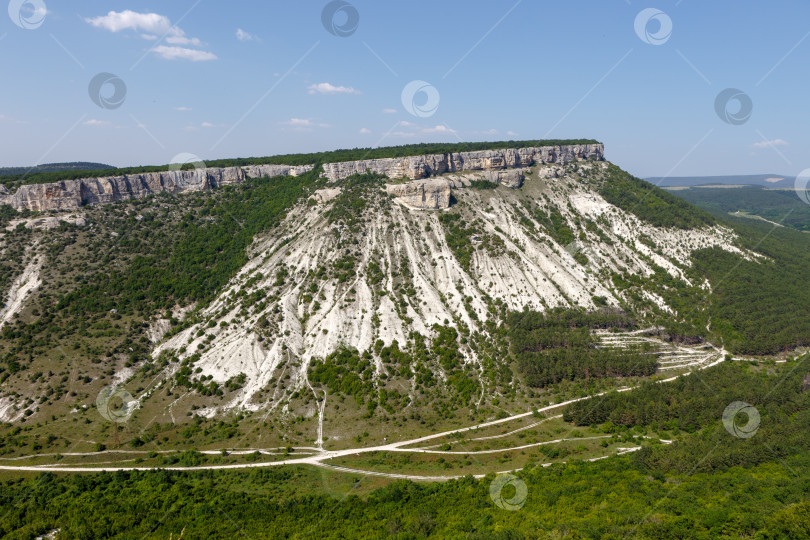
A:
x: 706, y: 485
x: 558, y: 345
x: 779, y: 206
x: 759, y: 306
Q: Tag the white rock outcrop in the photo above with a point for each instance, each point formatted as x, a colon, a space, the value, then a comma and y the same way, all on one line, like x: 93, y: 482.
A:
x: 72, y: 194
x: 415, y: 167
x: 436, y: 193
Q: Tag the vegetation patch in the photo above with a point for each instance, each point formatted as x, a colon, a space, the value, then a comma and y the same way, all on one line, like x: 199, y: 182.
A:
x: 556, y: 346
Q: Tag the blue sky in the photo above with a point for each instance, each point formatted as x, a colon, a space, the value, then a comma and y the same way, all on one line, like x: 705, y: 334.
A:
x: 255, y: 78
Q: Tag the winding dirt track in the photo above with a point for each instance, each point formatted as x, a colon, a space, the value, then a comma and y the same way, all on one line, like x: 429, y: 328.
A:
x: 318, y: 458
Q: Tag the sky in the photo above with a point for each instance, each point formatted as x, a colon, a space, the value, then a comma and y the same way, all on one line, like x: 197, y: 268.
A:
x: 675, y: 88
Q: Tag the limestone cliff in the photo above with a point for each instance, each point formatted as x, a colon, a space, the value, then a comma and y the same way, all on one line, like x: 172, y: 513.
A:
x: 72, y: 194
x: 415, y: 167
x: 435, y: 193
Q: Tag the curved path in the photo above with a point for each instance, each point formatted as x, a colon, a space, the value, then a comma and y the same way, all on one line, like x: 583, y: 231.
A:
x: 320, y: 456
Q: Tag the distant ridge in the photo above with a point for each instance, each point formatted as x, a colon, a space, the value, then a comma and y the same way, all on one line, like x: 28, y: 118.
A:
x: 767, y: 180
x: 56, y: 167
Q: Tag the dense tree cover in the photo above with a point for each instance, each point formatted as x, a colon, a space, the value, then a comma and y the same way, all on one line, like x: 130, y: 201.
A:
x: 707, y: 485
x: 775, y: 205
x: 692, y: 401
x: 210, y: 247
x: 21, y: 174
x: 7, y: 213
x: 697, y: 401
x: 345, y: 371
x: 760, y: 306
x: 650, y: 203
x: 331, y: 156
x: 55, y: 167
x: 558, y: 345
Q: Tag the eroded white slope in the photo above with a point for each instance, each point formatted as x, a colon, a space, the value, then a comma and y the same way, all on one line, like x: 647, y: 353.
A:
x: 419, y: 281
x: 21, y: 288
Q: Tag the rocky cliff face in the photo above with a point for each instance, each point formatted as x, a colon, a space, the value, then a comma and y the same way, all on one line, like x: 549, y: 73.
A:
x: 431, y: 194
x: 72, y: 194
x: 435, y: 193
x: 415, y: 167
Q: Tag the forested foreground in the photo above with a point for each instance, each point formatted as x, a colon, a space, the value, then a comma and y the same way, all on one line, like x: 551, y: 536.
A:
x: 733, y: 487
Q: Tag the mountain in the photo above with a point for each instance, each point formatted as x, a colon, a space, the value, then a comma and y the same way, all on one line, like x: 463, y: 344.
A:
x: 54, y: 167
x: 779, y: 181
x: 401, y: 316
x: 462, y: 281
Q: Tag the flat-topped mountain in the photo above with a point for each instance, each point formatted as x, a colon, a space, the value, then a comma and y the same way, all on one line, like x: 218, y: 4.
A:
x: 356, y: 292
x: 71, y: 194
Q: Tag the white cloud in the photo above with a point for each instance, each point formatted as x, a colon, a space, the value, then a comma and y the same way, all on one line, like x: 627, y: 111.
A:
x: 365, y: 131
x: 326, y: 88
x: 439, y: 129
x: 389, y: 111
x: 152, y: 25
x: 768, y: 144
x: 303, y: 124
x: 183, y: 40
x: 96, y: 123
x: 299, y: 122
x: 241, y: 35
x: 131, y: 20
x: 511, y: 133
x: 207, y: 124
x: 182, y: 53
x: 184, y: 109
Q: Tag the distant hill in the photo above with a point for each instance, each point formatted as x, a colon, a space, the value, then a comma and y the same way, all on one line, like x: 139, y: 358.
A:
x: 767, y: 180
x: 777, y: 206
x: 55, y: 167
